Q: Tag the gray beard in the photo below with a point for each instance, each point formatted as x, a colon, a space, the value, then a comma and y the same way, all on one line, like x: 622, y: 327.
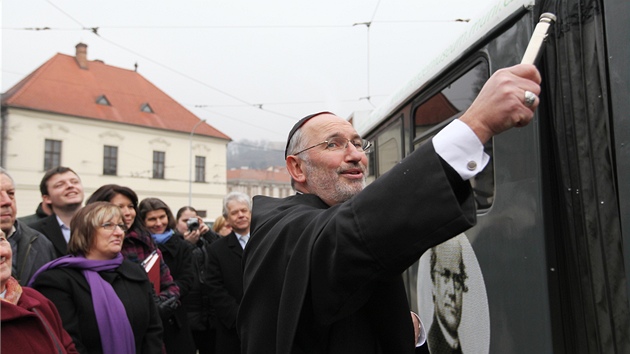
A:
x: 326, y: 185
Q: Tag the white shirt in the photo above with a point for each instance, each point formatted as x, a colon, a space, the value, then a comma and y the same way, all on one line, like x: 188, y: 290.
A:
x: 460, y: 147
x: 65, y: 230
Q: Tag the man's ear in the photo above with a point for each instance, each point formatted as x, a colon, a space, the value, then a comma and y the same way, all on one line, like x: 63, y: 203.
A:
x: 294, y: 166
x: 46, y: 200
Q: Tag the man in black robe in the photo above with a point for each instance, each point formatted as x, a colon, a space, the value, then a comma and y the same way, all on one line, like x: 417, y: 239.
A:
x: 322, y: 268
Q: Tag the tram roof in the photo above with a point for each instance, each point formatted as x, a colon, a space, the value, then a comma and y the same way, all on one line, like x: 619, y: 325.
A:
x: 494, y: 15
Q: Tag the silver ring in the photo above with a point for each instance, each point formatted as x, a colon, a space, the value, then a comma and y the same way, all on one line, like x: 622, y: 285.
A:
x: 530, y: 98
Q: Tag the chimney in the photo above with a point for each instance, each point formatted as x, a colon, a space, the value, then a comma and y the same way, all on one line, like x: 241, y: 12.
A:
x: 81, y: 55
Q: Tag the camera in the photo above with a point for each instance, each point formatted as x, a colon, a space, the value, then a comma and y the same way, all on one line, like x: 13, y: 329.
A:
x: 193, y: 224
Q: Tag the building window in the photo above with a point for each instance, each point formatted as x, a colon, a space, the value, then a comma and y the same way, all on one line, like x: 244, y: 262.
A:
x: 146, y: 108
x: 158, y: 164
x: 103, y: 100
x: 52, y: 154
x: 110, y: 160
x: 200, y: 168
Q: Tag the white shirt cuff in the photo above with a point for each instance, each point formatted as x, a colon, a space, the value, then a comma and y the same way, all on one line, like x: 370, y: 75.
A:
x: 458, y: 145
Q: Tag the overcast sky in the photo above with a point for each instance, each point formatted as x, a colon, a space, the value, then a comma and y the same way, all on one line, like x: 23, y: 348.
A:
x: 250, y: 68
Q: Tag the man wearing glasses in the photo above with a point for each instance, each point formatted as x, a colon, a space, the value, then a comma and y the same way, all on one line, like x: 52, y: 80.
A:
x: 448, y: 274
x: 322, y: 269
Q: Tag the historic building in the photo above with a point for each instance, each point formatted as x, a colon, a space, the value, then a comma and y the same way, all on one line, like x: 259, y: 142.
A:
x: 272, y: 182
x: 110, y: 125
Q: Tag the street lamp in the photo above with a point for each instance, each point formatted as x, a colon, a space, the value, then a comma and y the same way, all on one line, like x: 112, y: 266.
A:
x: 190, y: 161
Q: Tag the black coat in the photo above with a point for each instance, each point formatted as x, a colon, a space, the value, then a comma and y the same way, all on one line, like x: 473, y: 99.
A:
x: 68, y: 289
x: 177, y: 254
x: 225, y: 281
x: 322, y: 279
x: 50, y: 228
x: 197, y: 302
x: 437, y: 342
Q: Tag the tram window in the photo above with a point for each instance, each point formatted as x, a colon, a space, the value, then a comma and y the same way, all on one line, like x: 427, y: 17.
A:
x: 389, y: 150
x: 432, y: 114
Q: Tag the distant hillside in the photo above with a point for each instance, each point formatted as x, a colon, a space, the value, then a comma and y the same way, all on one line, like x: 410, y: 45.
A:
x: 257, y: 155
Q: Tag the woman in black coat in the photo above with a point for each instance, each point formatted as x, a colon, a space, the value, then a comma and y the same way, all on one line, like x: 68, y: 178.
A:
x: 160, y: 222
x: 105, y: 301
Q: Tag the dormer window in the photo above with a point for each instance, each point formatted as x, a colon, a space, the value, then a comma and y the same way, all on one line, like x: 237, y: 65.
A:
x: 103, y: 100
x: 146, y: 108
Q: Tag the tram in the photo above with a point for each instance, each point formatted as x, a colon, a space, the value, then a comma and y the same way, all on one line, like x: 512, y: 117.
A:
x: 545, y: 268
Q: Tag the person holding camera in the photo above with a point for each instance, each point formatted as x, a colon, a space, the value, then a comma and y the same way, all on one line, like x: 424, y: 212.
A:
x: 201, y: 316
x: 161, y: 223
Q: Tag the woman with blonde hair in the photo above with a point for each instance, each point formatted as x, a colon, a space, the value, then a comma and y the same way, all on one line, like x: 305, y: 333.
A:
x: 105, y: 301
x: 138, y: 245
x: 221, y: 226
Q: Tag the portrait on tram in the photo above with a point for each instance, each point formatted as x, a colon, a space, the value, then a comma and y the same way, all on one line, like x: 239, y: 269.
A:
x: 452, y: 299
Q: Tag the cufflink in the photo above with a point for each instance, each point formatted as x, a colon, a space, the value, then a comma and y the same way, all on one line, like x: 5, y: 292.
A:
x: 472, y: 165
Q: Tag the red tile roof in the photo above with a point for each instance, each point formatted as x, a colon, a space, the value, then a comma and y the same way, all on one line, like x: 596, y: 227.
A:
x: 61, y: 86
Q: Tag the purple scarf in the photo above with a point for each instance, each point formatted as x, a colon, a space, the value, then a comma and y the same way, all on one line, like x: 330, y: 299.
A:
x: 111, y: 316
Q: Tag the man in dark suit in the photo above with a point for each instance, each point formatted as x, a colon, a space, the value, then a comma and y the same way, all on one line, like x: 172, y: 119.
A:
x: 61, y: 188
x: 225, y: 273
x: 448, y: 274
x: 322, y: 271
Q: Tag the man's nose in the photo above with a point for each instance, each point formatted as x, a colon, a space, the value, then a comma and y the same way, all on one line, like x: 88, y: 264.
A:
x: 5, y: 251
x: 451, y: 295
x: 4, y: 198
x: 352, y: 153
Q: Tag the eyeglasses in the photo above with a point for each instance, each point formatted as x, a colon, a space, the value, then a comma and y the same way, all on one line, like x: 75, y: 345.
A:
x: 457, y: 278
x: 338, y: 143
x: 110, y: 226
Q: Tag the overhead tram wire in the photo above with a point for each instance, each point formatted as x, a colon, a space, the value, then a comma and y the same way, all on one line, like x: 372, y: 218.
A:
x: 65, y: 13
x: 259, y: 106
x: 206, y: 107
x: 176, y: 71
x: 246, y: 103
x: 273, y: 103
x: 94, y: 30
x: 236, y: 119
x: 369, y: 95
x: 227, y: 26
x: 367, y: 25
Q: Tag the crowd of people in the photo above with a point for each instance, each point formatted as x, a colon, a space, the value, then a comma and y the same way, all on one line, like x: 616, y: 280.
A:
x: 78, y: 273
x: 321, y: 274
